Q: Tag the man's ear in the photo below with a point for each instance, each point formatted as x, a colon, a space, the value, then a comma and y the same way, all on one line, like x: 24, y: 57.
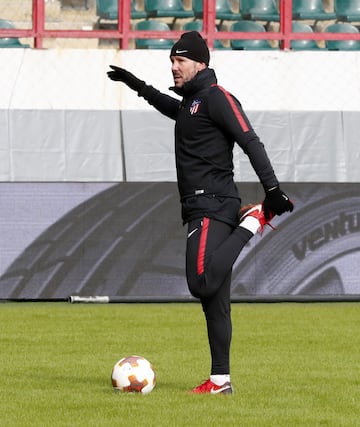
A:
x: 201, y: 66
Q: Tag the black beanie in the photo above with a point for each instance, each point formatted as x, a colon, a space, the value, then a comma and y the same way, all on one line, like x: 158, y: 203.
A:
x: 192, y: 46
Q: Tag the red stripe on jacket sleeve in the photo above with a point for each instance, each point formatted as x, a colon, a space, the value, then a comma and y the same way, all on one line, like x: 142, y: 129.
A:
x: 202, y: 246
x: 237, y: 113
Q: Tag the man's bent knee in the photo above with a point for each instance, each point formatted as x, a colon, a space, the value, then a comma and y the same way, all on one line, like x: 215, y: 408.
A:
x: 199, y: 288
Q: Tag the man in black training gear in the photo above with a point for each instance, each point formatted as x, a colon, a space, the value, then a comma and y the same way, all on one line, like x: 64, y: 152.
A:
x: 208, y: 121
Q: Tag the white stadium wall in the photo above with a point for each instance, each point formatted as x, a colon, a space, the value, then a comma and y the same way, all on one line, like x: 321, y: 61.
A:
x: 88, y: 198
x: 62, y: 119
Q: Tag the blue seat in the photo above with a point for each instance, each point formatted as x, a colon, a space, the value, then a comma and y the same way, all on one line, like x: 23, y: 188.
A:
x: 347, y: 10
x: 137, y: 13
x: 10, y: 42
x: 153, y: 25
x: 223, y: 10
x: 259, y: 10
x: 310, y: 10
x: 300, y: 27
x: 108, y: 10
x: 167, y: 9
x: 197, y: 25
x: 342, y: 44
x: 249, y: 44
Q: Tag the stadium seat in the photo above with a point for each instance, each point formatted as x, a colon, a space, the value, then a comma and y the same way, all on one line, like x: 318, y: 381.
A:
x: 300, y: 27
x: 137, y: 13
x: 197, y: 25
x: 108, y: 10
x: 153, y: 25
x: 259, y: 10
x: 223, y: 9
x: 310, y: 10
x: 10, y: 42
x: 167, y: 9
x: 248, y: 44
x: 347, y: 10
x: 342, y: 44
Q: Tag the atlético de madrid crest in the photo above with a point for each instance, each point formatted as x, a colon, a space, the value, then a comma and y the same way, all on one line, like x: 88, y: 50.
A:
x: 194, y: 107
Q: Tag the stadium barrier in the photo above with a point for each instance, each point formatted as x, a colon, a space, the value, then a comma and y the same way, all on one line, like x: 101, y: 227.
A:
x: 125, y: 243
x: 64, y: 120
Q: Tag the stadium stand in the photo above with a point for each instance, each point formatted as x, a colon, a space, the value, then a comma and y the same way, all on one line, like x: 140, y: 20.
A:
x: 99, y: 15
x: 342, y: 44
x: 153, y: 25
x: 9, y: 42
x: 167, y: 9
x: 347, y: 10
x: 260, y: 10
x: 223, y: 9
x: 311, y: 10
x: 300, y: 27
x: 248, y: 44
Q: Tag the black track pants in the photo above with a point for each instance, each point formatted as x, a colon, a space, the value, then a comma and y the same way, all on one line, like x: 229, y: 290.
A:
x: 212, y: 248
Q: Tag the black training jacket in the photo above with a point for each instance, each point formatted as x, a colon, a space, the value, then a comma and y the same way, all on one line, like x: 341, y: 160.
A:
x: 209, y: 120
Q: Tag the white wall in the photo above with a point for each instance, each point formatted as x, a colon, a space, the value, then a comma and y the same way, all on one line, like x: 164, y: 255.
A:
x: 60, y: 115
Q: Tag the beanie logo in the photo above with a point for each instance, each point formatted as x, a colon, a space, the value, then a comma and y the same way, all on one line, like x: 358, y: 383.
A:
x: 181, y: 51
x: 194, y: 107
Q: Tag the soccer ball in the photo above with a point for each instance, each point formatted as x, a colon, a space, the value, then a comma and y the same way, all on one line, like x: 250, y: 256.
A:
x: 133, y: 374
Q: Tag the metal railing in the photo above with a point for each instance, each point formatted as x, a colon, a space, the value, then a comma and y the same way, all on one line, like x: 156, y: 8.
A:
x: 123, y: 32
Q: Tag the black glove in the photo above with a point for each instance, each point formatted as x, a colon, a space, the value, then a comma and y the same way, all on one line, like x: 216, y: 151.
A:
x: 276, y: 203
x: 122, y: 75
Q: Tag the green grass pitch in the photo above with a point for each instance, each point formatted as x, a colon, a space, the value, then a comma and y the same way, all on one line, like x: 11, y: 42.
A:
x: 292, y: 365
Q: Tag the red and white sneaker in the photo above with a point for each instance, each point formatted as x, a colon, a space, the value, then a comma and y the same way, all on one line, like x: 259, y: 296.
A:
x: 209, y: 387
x: 256, y: 211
